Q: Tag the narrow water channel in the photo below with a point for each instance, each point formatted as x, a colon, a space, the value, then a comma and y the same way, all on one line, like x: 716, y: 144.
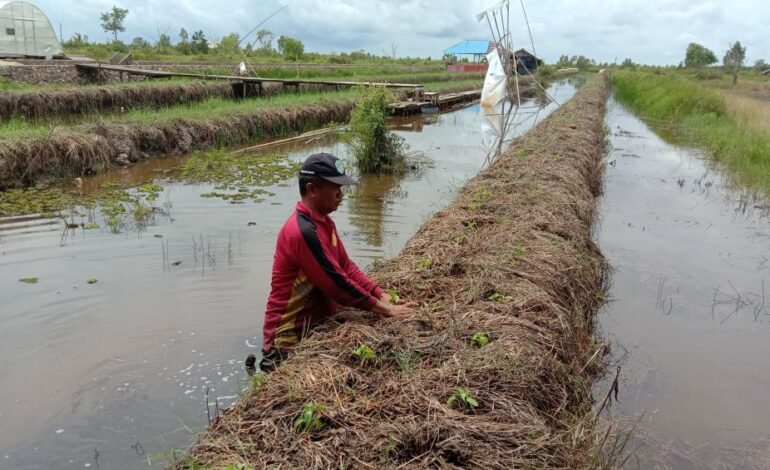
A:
x: 113, y: 373
x: 689, y: 317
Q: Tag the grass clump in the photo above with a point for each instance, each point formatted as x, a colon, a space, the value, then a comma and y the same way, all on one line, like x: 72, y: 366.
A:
x: 375, y: 149
x: 699, y: 116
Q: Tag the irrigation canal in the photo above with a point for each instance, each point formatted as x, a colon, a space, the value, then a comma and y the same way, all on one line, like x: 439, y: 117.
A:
x: 112, y: 374
x: 690, y: 310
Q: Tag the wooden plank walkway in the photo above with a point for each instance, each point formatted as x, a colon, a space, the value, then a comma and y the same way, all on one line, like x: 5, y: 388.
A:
x: 434, y: 99
x: 256, y: 80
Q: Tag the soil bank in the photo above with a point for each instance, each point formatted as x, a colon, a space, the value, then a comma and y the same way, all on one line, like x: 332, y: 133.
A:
x: 92, y: 148
x: 513, y: 258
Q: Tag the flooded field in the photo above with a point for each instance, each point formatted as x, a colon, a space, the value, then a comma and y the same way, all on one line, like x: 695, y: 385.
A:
x: 109, y: 357
x: 689, y: 316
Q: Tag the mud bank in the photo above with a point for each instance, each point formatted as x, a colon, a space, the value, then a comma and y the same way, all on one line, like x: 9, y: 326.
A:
x: 512, y: 260
x: 92, y: 148
x: 47, y: 104
x: 76, y: 101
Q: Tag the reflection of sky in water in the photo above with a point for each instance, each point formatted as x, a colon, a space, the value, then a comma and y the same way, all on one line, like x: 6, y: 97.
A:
x: 127, y: 360
x: 688, y: 314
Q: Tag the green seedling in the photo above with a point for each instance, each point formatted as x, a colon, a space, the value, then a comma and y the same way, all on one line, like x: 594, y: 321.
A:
x: 310, y: 419
x: 394, y: 298
x: 28, y: 280
x: 91, y: 226
x: 483, y: 194
x: 407, y: 362
x: 498, y: 297
x: 462, y: 398
x: 424, y: 263
x: 364, y: 354
x: 92, y: 281
x: 480, y: 339
x: 471, y: 224
x: 239, y: 466
x: 460, y: 239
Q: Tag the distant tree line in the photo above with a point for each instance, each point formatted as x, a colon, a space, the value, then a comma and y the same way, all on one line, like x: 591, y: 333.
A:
x: 698, y: 57
x: 263, y: 44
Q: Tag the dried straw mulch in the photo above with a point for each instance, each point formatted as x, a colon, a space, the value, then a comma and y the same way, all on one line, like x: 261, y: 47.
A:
x: 513, y: 257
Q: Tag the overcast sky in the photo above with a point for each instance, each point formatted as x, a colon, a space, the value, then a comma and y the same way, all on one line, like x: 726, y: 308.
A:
x: 648, y: 31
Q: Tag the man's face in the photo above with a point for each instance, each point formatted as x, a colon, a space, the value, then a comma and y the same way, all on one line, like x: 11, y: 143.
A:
x: 327, y: 196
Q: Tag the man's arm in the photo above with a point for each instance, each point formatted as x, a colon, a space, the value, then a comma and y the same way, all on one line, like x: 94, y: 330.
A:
x: 323, y: 270
x: 357, y: 275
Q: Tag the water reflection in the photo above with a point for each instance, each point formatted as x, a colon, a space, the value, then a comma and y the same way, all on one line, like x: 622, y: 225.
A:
x: 371, y: 201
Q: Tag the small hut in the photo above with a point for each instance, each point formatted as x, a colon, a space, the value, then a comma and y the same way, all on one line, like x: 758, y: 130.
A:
x: 26, y: 32
x: 526, y: 62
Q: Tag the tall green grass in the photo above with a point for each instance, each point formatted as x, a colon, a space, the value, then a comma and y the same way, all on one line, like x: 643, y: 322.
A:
x: 698, y: 116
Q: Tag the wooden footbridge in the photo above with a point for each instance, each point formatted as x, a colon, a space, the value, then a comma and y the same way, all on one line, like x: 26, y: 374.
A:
x: 257, y: 81
x: 244, y: 86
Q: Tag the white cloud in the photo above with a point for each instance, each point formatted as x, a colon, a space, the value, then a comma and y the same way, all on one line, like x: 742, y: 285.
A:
x: 648, y: 31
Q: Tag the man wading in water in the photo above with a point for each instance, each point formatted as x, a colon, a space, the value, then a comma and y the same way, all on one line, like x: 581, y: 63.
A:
x: 312, y: 273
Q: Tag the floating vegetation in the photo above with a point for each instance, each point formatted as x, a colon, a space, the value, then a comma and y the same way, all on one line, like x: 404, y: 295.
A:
x: 238, y: 178
x: 92, y: 281
x: 119, y: 206
x: 28, y: 280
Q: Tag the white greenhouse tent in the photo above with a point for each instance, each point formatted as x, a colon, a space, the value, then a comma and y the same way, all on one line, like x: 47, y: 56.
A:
x: 26, y: 32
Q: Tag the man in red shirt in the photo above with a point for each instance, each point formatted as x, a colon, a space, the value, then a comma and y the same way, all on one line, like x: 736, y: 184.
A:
x: 312, y: 273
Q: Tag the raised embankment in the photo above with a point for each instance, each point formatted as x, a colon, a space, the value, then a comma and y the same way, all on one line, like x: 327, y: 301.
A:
x: 91, y: 148
x: 45, y: 104
x: 511, y: 260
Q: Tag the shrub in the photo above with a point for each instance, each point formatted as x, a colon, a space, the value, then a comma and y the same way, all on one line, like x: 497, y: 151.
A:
x: 374, y: 148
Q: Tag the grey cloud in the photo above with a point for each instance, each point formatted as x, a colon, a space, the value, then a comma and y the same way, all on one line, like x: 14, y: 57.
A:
x: 649, y: 31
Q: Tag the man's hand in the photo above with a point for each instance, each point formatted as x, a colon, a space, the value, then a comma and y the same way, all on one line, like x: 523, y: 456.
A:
x: 403, y: 310
x: 389, y: 310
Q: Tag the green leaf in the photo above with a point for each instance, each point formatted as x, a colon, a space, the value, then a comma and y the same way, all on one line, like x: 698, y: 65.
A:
x: 472, y: 401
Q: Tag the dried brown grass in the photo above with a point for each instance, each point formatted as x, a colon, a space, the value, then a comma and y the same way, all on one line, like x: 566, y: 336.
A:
x: 520, y: 232
x: 90, y: 149
x: 44, y: 104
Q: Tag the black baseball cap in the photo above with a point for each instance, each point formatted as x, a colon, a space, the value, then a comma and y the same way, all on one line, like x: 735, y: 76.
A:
x: 328, y: 167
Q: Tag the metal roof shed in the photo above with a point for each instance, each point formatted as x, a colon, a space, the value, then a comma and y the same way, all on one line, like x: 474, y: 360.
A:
x: 26, y: 32
x: 471, y: 48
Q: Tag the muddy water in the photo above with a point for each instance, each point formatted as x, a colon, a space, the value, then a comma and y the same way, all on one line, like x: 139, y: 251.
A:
x: 113, y: 374
x: 690, y: 316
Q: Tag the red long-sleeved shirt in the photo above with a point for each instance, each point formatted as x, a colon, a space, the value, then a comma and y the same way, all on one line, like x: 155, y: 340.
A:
x: 312, y: 274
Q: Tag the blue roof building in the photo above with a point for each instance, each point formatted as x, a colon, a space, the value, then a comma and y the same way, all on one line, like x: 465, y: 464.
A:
x: 471, y: 47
